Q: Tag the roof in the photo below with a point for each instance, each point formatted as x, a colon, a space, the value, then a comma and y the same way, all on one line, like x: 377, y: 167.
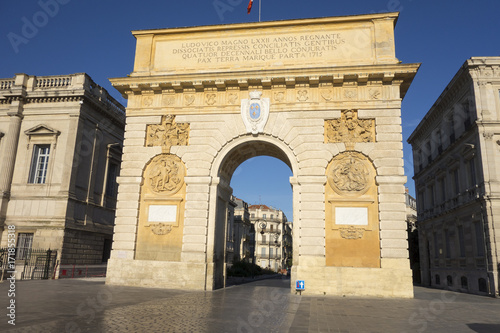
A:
x: 258, y: 207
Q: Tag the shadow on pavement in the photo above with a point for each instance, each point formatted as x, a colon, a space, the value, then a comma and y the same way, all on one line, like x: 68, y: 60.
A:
x: 485, y: 328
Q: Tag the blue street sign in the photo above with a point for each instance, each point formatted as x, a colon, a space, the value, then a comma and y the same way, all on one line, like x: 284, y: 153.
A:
x: 300, y: 285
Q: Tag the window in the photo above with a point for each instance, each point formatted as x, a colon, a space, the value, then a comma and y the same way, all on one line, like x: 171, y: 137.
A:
x: 271, y: 252
x: 253, y: 215
x: 263, y: 238
x: 483, y: 286
x: 39, y: 164
x: 456, y: 182
x: 271, y: 228
x: 429, y: 152
x: 431, y: 196
x: 464, y: 282
x: 436, y: 246
x: 420, y: 202
x: 439, y: 141
x: 461, y: 241
x: 272, y: 216
x: 452, y: 129
x: 478, y: 230
x: 263, y: 251
x: 449, y: 281
x: 24, y: 242
x: 111, y: 180
x: 442, y: 184
x: 263, y: 216
x: 472, y: 172
x: 448, y: 243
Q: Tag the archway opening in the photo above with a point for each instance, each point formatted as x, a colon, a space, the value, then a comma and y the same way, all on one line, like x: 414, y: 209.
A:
x: 254, y: 212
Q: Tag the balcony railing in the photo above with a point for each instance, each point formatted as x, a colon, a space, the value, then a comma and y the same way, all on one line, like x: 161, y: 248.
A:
x: 6, y: 84
x: 271, y: 243
x: 53, y: 82
x: 267, y: 256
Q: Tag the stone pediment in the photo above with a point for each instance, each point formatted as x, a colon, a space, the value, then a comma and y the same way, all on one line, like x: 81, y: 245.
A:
x: 42, y: 130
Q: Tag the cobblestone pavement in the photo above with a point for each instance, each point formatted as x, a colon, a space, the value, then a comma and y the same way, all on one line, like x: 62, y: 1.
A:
x: 88, y: 305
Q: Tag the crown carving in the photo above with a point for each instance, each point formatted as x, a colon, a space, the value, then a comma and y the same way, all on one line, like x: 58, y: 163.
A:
x: 255, y: 94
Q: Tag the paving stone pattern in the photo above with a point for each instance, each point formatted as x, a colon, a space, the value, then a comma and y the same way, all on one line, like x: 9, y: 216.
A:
x: 88, y: 305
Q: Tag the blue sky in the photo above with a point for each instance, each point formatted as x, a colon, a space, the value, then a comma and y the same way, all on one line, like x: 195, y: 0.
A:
x: 93, y: 36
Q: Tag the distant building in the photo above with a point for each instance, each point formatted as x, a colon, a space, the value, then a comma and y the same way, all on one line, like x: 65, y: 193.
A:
x: 456, y: 152
x: 244, y: 232
x: 60, y: 154
x: 270, y: 230
x: 287, y: 245
x: 413, y: 247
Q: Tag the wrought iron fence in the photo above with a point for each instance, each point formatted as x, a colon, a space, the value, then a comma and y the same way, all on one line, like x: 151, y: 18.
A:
x: 39, y: 265
x: 36, y: 264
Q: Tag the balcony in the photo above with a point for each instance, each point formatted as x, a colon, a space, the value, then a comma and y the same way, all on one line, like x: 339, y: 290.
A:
x: 266, y: 256
x: 269, y: 243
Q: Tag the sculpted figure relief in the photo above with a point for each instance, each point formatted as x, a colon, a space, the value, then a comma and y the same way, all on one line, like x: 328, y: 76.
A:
x: 349, y: 129
x: 168, y: 133
x: 350, y: 173
x: 165, y: 174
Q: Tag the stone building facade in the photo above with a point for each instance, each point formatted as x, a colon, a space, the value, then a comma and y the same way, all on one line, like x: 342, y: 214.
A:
x: 244, y: 232
x: 269, y: 224
x: 60, y: 154
x: 322, y: 95
x: 456, y: 153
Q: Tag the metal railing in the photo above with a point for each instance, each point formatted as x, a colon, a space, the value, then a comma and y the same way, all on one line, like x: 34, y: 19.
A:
x: 36, y: 264
x: 82, y: 271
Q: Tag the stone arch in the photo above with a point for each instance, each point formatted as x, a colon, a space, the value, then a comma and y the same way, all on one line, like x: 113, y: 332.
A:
x: 225, y: 163
x: 277, y: 148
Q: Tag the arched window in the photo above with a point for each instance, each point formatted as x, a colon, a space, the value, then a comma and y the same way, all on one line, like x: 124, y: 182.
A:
x: 449, y: 281
x: 464, y: 282
x: 483, y: 287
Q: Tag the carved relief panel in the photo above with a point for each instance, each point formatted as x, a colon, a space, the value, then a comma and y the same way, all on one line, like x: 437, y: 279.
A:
x: 349, y: 129
x: 163, y: 190
x: 351, y: 212
x: 167, y: 134
x: 350, y: 174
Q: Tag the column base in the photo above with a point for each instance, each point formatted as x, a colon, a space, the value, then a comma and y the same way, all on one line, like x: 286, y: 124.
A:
x: 393, y: 279
x: 156, y: 274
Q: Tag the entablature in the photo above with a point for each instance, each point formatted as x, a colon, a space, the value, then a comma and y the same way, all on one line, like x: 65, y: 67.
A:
x: 400, y: 75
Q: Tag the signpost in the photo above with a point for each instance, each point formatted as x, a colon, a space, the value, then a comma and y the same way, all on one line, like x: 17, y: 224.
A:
x: 300, y: 285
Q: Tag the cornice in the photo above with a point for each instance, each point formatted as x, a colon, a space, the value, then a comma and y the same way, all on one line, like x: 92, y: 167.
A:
x: 271, y: 24
x: 337, y: 76
x: 453, y: 91
x: 479, y: 70
x: 53, y: 99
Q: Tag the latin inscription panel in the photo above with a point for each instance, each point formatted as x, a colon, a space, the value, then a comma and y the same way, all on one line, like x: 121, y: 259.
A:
x: 339, y: 46
x: 162, y: 213
x: 351, y: 215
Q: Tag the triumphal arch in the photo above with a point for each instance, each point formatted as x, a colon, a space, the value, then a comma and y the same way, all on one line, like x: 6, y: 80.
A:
x: 322, y: 95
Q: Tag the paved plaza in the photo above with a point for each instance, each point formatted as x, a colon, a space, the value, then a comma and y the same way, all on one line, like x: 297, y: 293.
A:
x: 88, y: 305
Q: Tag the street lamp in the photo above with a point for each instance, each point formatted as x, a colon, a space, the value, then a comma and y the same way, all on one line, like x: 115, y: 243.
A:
x: 276, y: 237
x: 262, y: 226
